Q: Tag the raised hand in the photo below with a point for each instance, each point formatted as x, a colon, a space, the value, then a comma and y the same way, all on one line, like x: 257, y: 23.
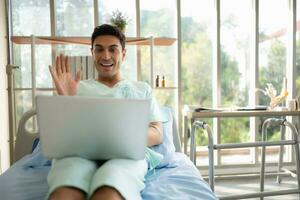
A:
x: 61, y: 74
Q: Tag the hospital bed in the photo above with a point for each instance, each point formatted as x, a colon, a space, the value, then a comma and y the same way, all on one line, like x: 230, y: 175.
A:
x: 175, y: 178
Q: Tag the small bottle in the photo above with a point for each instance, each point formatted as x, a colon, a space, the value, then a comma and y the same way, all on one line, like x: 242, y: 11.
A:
x: 157, y: 81
x: 163, y: 83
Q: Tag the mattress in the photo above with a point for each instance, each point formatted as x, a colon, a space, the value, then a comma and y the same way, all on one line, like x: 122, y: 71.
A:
x: 178, y: 178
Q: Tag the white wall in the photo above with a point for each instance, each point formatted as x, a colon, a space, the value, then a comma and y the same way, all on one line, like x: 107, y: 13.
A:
x: 4, y: 147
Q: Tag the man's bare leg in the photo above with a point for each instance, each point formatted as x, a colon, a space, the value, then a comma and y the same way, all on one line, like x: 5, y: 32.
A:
x: 67, y: 193
x: 107, y: 193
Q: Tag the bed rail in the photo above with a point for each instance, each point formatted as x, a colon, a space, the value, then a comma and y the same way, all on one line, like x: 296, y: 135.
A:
x: 24, y: 138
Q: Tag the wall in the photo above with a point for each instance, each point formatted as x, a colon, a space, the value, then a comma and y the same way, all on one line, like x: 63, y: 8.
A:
x: 4, y: 147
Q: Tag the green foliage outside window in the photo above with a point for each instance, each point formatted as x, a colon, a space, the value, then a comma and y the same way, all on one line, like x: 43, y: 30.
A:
x: 196, y: 62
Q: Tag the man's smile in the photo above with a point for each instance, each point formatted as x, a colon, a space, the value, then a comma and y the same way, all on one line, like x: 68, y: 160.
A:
x: 106, y: 64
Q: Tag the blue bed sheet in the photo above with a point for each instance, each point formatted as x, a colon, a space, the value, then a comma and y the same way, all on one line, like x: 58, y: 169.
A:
x: 177, y: 179
x: 180, y: 179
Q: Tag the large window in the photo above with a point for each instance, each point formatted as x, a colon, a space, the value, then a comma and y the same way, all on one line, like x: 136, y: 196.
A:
x: 24, y: 17
x: 106, y: 9
x: 196, y: 34
x: 298, y: 51
x: 228, y: 26
x: 77, y: 19
x: 159, y: 20
x: 235, y: 63
x: 24, y: 23
x: 272, y: 44
x: 196, y: 58
x: 74, y: 18
x: 272, y: 54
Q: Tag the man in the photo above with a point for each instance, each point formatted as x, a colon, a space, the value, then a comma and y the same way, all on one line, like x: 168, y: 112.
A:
x: 79, y: 178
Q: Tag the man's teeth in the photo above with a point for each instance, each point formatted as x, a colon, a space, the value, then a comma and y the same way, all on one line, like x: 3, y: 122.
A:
x: 106, y: 65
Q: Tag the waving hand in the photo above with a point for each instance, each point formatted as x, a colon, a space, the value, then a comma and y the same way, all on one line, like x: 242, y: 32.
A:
x: 61, y: 74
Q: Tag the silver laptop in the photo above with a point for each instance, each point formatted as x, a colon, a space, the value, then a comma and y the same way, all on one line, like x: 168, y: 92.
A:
x: 93, y: 128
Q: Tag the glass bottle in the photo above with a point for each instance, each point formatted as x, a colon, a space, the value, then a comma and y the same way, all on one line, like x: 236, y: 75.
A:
x: 157, y: 81
x: 163, y: 82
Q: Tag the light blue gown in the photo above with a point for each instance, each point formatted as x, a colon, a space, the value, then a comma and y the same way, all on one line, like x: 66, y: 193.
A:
x: 127, y: 176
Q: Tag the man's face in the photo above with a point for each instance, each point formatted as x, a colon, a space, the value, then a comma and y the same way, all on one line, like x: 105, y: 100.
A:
x: 108, y: 55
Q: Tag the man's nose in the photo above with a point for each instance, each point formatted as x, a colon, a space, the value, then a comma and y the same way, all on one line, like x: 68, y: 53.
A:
x: 106, y: 54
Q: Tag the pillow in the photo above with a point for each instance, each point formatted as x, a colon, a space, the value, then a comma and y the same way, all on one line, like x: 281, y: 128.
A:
x: 166, y: 148
x: 36, y: 158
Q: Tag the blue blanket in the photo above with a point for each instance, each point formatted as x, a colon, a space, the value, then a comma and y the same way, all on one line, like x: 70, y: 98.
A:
x: 178, y: 178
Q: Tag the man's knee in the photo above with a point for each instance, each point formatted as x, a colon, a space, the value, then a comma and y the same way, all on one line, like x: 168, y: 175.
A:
x: 107, y: 193
x: 67, y: 193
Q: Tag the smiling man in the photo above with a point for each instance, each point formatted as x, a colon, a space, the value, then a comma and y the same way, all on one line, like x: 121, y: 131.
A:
x: 108, y: 56
x: 79, y: 178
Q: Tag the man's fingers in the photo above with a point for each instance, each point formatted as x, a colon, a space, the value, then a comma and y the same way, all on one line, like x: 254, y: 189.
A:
x: 53, y: 73
x: 62, y: 62
x: 58, y: 66
x: 68, y: 69
x: 78, y: 76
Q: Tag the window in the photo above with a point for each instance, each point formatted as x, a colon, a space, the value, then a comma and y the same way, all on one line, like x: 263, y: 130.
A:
x: 24, y: 23
x: 74, y: 18
x: 272, y: 54
x: 272, y: 44
x: 159, y: 20
x: 196, y: 61
x: 297, y: 81
x: 197, y: 37
x: 24, y: 17
x: 106, y: 9
x: 235, y: 63
x: 196, y: 47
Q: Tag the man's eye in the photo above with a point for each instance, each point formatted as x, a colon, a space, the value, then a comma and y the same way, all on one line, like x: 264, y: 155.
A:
x: 98, y: 50
x: 112, y: 50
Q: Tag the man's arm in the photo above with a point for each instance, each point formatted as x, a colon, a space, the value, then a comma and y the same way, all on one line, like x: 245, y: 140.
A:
x: 155, y: 134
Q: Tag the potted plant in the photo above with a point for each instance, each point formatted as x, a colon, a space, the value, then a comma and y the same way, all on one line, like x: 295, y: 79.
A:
x: 119, y: 20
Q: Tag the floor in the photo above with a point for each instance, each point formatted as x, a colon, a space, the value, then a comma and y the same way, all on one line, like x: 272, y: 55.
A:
x: 250, y: 185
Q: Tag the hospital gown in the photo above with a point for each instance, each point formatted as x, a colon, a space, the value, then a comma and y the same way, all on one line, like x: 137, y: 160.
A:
x: 127, y: 176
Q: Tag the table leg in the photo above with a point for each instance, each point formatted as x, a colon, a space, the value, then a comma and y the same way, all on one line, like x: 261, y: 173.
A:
x: 281, y: 150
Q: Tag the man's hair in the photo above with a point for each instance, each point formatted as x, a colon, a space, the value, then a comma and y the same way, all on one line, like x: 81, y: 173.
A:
x: 106, y: 29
